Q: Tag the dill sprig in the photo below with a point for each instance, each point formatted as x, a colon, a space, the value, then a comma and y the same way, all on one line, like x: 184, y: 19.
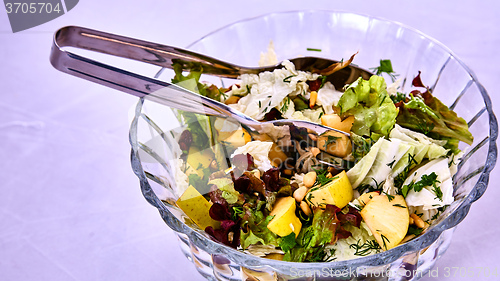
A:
x: 314, y: 49
x: 425, y: 127
x: 399, y: 205
x: 384, y: 239
x: 329, y: 140
x: 439, y: 193
x: 286, y: 104
x: 366, y: 248
x: 288, y: 79
x: 385, y: 67
x: 400, y: 179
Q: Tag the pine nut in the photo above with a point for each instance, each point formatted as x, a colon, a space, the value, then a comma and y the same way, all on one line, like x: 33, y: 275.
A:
x: 315, y: 151
x: 305, y: 208
x: 309, y: 179
x: 418, y: 221
x: 313, y: 137
x: 312, y: 100
x: 300, y: 193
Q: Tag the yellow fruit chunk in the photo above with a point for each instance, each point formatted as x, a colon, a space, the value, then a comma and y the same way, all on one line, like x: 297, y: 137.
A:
x: 238, y: 138
x: 387, y: 219
x: 366, y: 197
x: 334, y: 121
x: 196, y: 207
x: 197, y: 160
x: 285, y: 221
x: 335, y: 143
x: 338, y: 192
x: 231, y: 133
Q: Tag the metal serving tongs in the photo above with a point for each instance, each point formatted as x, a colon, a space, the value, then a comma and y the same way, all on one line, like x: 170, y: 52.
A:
x: 164, y: 56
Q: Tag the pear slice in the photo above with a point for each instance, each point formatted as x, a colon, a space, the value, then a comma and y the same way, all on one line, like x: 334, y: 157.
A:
x: 197, y: 208
x: 388, y: 219
x: 338, y: 192
x: 285, y: 221
x: 366, y: 197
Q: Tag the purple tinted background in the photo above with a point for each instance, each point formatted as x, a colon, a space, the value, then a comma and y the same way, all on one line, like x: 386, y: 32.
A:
x: 70, y: 205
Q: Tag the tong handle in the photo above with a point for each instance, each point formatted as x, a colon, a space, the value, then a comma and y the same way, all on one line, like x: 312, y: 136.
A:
x: 122, y: 80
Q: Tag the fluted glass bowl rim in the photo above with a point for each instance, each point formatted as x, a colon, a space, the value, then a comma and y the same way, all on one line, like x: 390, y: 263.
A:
x: 382, y: 258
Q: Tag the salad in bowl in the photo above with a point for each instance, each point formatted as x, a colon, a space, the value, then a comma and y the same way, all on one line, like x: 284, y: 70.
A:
x: 379, y: 178
x: 382, y: 190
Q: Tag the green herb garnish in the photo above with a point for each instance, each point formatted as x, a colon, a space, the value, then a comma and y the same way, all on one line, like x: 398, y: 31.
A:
x: 314, y: 50
x: 439, y: 193
x: 399, y: 180
x: 330, y: 139
x: 288, y: 79
x: 286, y: 103
x: 365, y: 248
x: 321, y: 178
x: 399, y: 205
x: 323, y: 81
x: 385, y: 67
x: 414, y: 230
x: 288, y: 242
x: 426, y: 180
x: 398, y: 97
x: 384, y: 239
x: 425, y: 127
x: 390, y: 197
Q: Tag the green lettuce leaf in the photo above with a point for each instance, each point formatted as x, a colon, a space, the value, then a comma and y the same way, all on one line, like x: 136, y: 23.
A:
x: 191, y: 81
x: 226, y: 185
x: 373, y: 110
x: 312, y: 240
x: 431, y: 117
x: 256, y: 231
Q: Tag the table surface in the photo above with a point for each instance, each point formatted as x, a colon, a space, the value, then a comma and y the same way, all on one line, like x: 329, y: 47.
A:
x: 70, y: 205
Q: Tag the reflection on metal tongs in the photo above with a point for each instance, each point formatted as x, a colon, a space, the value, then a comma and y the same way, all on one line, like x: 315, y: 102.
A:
x: 170, y: 94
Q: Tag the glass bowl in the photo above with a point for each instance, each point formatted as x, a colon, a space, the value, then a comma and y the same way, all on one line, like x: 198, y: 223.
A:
x: 338, y: 35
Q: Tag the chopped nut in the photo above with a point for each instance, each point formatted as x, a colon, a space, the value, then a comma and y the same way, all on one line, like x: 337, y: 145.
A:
x: 300, y: 193
x: 315, y: 151
x: 418, y: 221
x: 309, y: 179
x: 313, y: 137
x: 230, y: 236
x: 312, y: 100
x: 232, y: 100
x: 305, y: 208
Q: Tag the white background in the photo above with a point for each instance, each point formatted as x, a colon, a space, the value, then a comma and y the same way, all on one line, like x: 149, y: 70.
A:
x: 70, y: 205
